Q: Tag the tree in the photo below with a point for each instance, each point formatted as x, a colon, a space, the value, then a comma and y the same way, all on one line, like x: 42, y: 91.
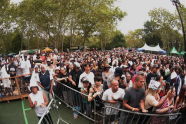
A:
x: 152, y: 35
x: 163, y: 28
x: 134, y: 38
x: 118, y: 39
x: 16, y: 43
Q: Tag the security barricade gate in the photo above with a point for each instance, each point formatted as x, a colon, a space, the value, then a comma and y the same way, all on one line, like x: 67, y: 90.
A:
x: 114, y: 115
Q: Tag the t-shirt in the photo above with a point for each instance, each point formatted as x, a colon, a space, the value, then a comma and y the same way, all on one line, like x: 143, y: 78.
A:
x: 75, y: 77
x: 25, y: 65
x: 150, y: 101
x: 12, y: 69
x: 89, y: 76
x: 108, y: 94
x: 134, y: 96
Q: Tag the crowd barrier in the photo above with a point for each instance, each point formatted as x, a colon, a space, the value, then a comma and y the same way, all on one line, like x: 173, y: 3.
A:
x: 52, y: 115
x: 114, y: 115
x: 14, y: 87
x: 78, y: 102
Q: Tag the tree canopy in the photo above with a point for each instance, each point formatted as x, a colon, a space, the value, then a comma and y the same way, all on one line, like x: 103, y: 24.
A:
x: 57, y: 23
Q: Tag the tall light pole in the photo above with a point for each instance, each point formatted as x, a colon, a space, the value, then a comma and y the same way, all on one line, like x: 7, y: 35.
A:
x: 178, y: 6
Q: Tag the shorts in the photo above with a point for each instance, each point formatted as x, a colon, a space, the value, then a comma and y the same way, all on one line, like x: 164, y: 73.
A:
x: 26, y: 79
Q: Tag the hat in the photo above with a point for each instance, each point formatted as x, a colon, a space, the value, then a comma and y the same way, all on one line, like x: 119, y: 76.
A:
x: 57, y: 68
x: 154, y: 85
x: 173, y: 75
x: 33, y: 84
x: 84, y: 80
x: 36, y: 66
x: 77, y: 64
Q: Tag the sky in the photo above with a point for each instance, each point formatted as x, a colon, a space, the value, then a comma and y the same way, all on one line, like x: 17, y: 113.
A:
x: 137, y: 12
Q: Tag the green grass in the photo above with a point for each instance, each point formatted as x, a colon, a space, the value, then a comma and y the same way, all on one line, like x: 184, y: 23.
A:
x: 12, y: 113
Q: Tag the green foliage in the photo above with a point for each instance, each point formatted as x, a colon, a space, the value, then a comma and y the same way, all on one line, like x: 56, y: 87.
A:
x: 152, y: 35
x: 58, y: 23
x: 118, y: 40
x: 163, y: 29
x: 16, y: 43
x: 134, y: 38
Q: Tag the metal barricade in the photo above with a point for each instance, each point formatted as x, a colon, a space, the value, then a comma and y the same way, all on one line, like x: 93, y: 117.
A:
x: 52, y: 115
x: 122, y: 116
x: 79, y: 103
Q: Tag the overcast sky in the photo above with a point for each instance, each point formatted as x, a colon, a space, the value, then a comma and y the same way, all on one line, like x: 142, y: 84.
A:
x: 137, y: 11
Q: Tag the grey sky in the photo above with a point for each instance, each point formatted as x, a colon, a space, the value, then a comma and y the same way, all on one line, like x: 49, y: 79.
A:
x: 137, y: 11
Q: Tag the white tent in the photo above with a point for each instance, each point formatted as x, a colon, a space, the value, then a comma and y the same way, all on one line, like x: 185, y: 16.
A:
x: 149, y: 48
x: 145, y: 47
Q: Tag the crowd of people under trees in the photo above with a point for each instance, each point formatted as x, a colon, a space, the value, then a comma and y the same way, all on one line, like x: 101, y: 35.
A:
x: 139, y: 82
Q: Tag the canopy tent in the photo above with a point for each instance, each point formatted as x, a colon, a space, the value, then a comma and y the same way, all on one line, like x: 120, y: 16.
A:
x: 145, y: 47
x: 31, y: 52
x: 174, y: 51
x: 149, y: 48
x: 182, y: 52
x: 47, y: 50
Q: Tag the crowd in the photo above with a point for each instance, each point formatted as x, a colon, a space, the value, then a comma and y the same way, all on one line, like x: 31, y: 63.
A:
x: 139, y: 82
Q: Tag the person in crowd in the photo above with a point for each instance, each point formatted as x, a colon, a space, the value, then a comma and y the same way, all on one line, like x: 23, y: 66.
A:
x: 107, y: 76
x: 26, y: 71
x: 85, y: 90
x: 38, y: 101
x: 180, y: 104
x: 152, y: 100
x: 134, y: 100
x: 46, y: 80
x: 95, y: 93
x: 152, y: 75
x: 168, y: 104
x: 87, y: 73
x: 75, y: 75
x: 166, y: 107
x: 113, y: 97
x: 162, y: 86
x: 12, y: 68
x: 176, y: 81
x: 6, y: 81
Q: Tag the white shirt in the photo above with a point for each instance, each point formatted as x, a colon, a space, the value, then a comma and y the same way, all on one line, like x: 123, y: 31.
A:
x: 38, y: 97
x: 109, y: 95
x: 25, y: 65
x: 90, y: 77
x: 150, y: 101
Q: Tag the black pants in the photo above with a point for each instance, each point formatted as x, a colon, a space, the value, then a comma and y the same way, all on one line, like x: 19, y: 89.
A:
x: 47, y: 119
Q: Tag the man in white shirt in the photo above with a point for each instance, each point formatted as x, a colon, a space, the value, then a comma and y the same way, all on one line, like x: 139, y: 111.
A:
x: 89, y: 75
x: 26, y: 70
x: 113, y: 97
